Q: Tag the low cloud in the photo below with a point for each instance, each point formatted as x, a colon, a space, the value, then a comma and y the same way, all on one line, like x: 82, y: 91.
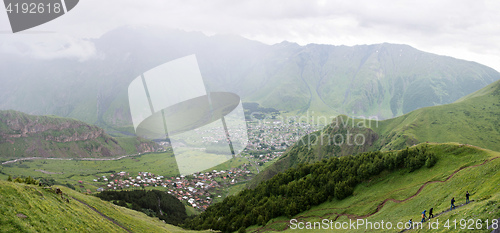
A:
x: 454, y: 28
x: 47, y: 46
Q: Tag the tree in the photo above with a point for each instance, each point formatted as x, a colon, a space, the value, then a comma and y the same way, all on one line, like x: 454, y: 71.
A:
x: 431, y: 160
x: 19, y: 180
x: 363, y: 171
x: 306, y: 185
x: 343, y: 190
x: 30, y: 180
x: 9, y: 179
x: 260, y: 220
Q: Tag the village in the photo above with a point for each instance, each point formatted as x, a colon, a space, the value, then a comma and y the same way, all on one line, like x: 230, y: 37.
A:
x: 197, y: 190
x: 277, y: 135
x: 266, y: 142
x: 262, y: 135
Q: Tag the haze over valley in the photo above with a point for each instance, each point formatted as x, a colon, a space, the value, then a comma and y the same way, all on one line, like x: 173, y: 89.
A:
x: 169, y: 116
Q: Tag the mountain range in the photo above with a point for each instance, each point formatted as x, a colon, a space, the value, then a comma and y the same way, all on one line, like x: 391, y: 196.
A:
x: 382, y: 80
x: 390, y: 97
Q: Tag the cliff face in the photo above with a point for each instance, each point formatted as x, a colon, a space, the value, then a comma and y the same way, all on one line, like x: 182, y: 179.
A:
x: 23, y: 135
x: 145, y: 147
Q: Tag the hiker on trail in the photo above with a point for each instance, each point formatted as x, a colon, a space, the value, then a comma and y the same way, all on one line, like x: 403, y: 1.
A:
x: 423, y: 216
x: 411, y: 223
x: 452, y: 203
x: 430, y: 213
x: 467, y: 197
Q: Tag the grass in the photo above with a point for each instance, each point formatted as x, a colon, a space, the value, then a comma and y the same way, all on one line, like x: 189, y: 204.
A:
x: 237, y: 162
x: 191, y: 210
x: 190, y: 161
x: 83, y: 170
x: 129, y: 144
x: 74, y: 171
x: 44, y: 211
x: 473, y: 119
x: 481, y: 181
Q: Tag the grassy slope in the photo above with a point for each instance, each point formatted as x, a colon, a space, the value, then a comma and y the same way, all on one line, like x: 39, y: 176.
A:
x: 474, y: 119
x: 46, y: 212
x: 40, y: 144
x: 481, y: 181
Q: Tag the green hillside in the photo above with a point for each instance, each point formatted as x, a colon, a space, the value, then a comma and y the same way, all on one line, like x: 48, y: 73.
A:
x: 383, y: 191
x: 474, y: 120
x: 30, y: 208
x: 23, y: 135
x: 398, y: 196
x: 379, y: 192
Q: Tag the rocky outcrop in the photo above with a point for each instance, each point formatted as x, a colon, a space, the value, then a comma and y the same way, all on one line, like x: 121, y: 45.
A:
x: 23, y: 135
x: 145, y: 147
x: 50, y: 128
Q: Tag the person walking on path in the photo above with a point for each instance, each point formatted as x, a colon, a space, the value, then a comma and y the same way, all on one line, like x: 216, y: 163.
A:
x: 452, y: 203
x: 423, y: 216
x: 430, y: 213
x: 467, y: 197
x: 411, y: 223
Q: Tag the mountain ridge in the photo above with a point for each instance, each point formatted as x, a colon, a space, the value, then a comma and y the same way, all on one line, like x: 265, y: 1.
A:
x: 382, y: 80
x: 394, y: 184
x: 473, y: 120
x: 23, y: 135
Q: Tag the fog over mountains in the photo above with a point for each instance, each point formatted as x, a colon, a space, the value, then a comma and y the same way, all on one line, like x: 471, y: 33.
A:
x: 383, y: 80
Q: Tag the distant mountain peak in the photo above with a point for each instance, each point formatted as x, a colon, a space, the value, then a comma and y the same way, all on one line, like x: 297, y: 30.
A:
x: 384, y: 80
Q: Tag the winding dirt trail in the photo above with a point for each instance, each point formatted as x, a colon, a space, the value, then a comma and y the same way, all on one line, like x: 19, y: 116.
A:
x: 379, y: 207
x: 446, y: 211
x: 103, y: 215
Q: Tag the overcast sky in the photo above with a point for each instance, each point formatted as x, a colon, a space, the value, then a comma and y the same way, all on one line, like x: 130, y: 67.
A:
x: 467, y: 30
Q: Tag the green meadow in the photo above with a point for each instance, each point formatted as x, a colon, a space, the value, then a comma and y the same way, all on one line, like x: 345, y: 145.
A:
x: 472, y: 174
x: 474, y: 119
x: 30, y: 208
x: 72, y: 171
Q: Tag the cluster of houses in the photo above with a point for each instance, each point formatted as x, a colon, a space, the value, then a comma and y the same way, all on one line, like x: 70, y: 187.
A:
x: 262, y: 135
x: 264, y: 158
x: 200, y: 189
x: 277, y: 135
x: 197, y: 190
x: 123, y: 180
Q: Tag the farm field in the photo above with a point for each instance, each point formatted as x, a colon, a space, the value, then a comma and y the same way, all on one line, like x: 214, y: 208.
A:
x: 73, y: 171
